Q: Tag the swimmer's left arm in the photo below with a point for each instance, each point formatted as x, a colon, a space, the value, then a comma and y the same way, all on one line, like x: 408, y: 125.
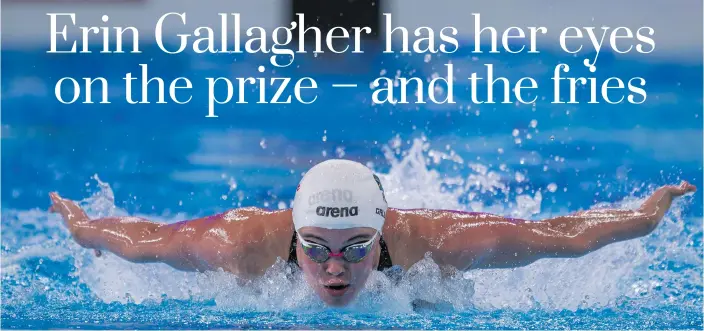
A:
x: 584, y: 232
x: 471, y: 241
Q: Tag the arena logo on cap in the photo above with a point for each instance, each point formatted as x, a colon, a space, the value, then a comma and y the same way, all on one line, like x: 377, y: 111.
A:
x: 337, y: 195
x: 337, y: 212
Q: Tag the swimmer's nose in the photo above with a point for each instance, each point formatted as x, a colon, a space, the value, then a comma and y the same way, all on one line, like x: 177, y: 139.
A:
x: 335, y: 267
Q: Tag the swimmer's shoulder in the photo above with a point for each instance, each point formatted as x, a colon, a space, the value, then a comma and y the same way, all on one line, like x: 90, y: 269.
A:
x: 400, y: 227
x: 411, y: 233
x: 249, y: 240
x: 268, y: 225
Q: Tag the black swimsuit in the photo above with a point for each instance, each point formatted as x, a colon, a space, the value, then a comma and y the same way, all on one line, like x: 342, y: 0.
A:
x: 384, y: 259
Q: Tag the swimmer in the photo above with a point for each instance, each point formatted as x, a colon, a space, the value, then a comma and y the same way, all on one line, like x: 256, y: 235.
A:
x: 340, y: 228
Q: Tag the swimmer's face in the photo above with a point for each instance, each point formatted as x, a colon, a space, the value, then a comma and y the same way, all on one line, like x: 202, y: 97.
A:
x: 336, y: 270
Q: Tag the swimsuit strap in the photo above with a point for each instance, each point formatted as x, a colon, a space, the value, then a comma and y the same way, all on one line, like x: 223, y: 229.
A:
x: 384, y: 259
x: 292, y: 251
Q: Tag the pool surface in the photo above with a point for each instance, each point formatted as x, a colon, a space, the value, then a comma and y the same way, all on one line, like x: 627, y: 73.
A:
x: 168, y: 162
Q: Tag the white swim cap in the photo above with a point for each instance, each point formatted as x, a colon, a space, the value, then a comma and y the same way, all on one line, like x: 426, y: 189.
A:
x: 339, y: 194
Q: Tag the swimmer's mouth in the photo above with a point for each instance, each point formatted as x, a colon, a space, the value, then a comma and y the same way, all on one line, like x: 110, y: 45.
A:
x: 337, y: 287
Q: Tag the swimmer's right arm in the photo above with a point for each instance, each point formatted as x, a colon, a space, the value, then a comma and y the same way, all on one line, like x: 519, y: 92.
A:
x: 208, y: 243
x: 134, y: 239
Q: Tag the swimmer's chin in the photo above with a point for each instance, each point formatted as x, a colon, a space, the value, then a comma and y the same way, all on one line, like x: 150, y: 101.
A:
x: 338, y: 301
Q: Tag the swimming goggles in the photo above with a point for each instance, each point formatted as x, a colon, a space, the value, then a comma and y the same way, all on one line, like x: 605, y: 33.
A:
x: 353, y: 253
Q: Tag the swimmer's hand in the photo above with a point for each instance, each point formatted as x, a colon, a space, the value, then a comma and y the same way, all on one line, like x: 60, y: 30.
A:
x: 73, y: 215
x: 659, y: 202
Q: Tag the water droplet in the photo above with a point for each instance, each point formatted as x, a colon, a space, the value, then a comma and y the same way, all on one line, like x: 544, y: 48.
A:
x: 552, y: 187
x: 262, y: 143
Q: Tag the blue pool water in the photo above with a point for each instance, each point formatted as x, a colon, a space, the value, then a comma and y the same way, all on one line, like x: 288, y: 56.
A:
x: 169, y: 162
